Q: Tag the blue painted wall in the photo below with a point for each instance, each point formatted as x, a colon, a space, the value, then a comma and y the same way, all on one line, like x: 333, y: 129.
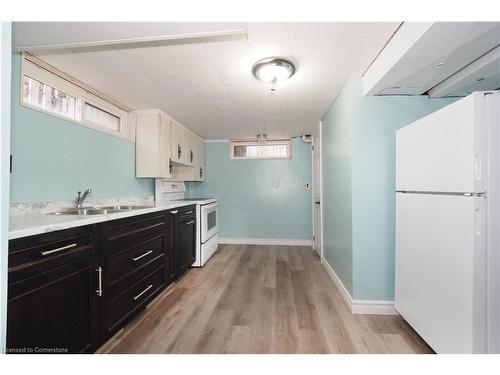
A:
x: 371, y: 123
x: 259, y: 198
x: 54, y: 158
x: 336, y: 164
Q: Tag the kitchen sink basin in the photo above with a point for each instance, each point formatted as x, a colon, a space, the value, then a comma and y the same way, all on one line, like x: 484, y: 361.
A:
x: 85, y: 211
x: 125, y: 208
x: 97, y: 211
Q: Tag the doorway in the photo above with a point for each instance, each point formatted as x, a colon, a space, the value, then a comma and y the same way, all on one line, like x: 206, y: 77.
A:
x: 317, y: 212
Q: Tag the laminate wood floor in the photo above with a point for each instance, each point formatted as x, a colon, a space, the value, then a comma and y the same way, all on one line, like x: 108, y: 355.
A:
x: 260, y: 299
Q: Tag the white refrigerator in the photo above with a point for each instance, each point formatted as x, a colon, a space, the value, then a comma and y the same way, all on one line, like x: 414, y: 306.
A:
x: 447, y: 225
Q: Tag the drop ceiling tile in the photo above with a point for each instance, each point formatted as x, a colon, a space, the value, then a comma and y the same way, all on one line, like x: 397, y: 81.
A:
x: 279, y: 92
x: 213, y: 95
x: 354, y: 56
x: 139, y: 83
x: 237, y: 76
x: 244, y: 93
x: 179, y: 29
x: 41, y: 33
x: 372, y: 28
x: 331, y: 88
x: 108, y: 60
x: 324, y: 29
x: 300, y: 102
x: 188, y: 57
x: 324, y: 101
x: 225, y: 53
x: 170, y: 83
x: 94, y: 31
x: 261, y: 50
x: 207, y: 78
x: 150, y: 60
x: 303, y: 90
x: 143, y: 29
x: 283, y: 32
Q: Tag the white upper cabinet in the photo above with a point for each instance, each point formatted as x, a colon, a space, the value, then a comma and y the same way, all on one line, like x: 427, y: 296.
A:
x: 200, y: 160
x: 166, y: 149
x: 153, y: 147
x: 180, y: 148
x: 192, y: 143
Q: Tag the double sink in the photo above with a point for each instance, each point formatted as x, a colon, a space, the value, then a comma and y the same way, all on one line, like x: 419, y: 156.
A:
x: 97, y: 210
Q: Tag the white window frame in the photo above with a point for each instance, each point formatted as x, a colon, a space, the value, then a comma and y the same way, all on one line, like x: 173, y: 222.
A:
x: 255, y: 143
x: 45, y: 74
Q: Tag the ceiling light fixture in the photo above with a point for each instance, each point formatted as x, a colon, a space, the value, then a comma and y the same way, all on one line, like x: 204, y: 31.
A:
x: 273, y: 70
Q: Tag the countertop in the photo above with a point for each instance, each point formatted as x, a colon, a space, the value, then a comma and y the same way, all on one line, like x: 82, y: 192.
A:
x: 29, y: 225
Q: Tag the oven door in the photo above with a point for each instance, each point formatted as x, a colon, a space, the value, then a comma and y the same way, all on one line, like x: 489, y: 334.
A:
x: 209, y: 221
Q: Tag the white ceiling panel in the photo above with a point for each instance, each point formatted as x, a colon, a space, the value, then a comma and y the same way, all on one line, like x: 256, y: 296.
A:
x: 372, y: 28
x: 207, y: 83
x: 313, y: 29
x: 35, y: 33
x: 352, y: 60
x: 90, y: 31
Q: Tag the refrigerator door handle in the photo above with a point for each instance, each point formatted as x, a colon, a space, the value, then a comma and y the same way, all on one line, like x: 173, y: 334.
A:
x: 477, y: 222
x: 477, y: 167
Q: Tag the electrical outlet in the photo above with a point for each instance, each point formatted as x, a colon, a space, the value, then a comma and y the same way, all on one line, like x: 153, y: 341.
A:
x: 307, y: 185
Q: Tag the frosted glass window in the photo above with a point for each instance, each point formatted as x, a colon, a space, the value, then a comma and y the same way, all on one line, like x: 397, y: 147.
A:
x: 50, y: 99
x: 255, y: 150
x: 101, y: 117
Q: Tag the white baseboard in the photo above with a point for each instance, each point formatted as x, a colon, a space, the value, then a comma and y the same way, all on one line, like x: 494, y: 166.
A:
x: 359, y: 306
x: 264, y: 241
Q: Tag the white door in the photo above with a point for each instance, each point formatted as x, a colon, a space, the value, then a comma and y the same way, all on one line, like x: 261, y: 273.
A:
x: 316, y: 152
x: 440, y: 269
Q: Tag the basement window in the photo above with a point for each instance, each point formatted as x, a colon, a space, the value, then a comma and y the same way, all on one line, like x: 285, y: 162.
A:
x: 47, y: 89
x: 50, y: 99
x: 273, y: 149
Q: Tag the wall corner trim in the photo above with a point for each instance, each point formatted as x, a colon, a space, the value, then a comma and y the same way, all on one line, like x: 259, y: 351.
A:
x: 359, y: 306
x: 265, y: 241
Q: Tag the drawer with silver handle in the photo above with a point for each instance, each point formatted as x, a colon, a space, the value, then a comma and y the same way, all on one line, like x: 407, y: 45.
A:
x: 187, y: 212
x: 31, y: 255
x: 120, y: 264
x: 122, y: 307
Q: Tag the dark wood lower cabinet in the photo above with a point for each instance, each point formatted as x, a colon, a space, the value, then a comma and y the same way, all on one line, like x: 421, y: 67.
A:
x: 56, y: 311
x: 185, y: 241
x: 71, y: 290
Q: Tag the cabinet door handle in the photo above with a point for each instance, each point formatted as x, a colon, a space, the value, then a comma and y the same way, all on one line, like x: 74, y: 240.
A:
x: 99, y: 281
x: 189, y: 212
x: 190, y: 222
x: 174, y: 212
x: 48, y: 252
x: 141, y: 293
x: 179, y: 151
x: 142, y: 256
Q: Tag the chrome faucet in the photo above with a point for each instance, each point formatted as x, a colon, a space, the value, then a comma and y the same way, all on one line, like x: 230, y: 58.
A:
x: 81, y: 197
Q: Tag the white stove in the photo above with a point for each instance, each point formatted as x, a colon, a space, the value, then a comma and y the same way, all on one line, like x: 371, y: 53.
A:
x: 207, y: 239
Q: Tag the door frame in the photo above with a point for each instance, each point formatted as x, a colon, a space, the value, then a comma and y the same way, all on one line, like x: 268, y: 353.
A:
x: 320, y: 167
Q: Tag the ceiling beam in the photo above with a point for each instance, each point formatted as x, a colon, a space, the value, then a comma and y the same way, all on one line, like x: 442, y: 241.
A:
x: 134, y: 40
